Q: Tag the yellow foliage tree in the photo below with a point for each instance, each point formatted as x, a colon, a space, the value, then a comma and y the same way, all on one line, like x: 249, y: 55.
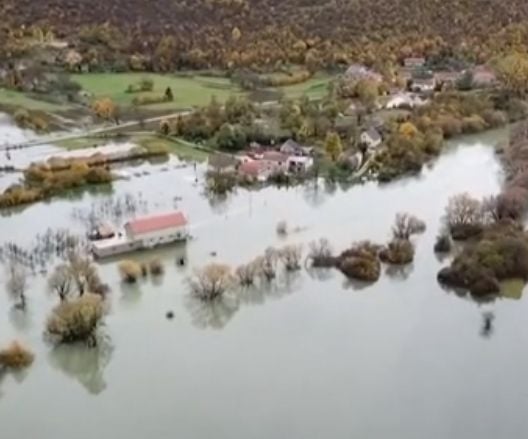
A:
x: 105, y: 109
x: 512, y: 70
x: 408, y: 130
x: 333, y: 146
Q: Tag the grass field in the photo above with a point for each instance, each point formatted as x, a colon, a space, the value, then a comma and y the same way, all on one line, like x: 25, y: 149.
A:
x: 13, y: 98
x: 314, y: 88
x: 187, y: 91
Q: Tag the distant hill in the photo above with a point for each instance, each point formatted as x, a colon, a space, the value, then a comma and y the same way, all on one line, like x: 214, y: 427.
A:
x: 203, y: 33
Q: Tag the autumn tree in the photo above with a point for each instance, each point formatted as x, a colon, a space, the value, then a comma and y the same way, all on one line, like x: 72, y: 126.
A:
x: 165, y: 53
x: 106, y: 109
x: 333, y: 146
x: 408, y: 130
x: 211, y: 282
x: 512, y: 70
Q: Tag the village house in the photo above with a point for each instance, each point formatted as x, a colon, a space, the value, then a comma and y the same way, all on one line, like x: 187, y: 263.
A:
x: 405, y: 100
x: 299, y: 164
x: 276, y: 161
x: 414, y: 62
x: 358, y: 72
x: 291, y: 147
x: 423, y: 84
x: 255, y: 169
x: 144, y: 233
x: 371, y: 138
x: 221, y: 163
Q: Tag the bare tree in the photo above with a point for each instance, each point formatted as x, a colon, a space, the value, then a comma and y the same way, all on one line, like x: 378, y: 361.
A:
x: 267, y: 264
x: 320, y: 249
x: 61, y: 281
x: 211, y: 282
x: 246, y: 273
x: 406, y: 225
x: 17, y: 284
x: 291, y: 256
x: 83, y: 272
x: 464, y: 216
x: 510, y: 205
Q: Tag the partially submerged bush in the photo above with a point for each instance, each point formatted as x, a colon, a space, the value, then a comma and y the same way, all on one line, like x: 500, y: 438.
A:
x: 291, y: 256
x: 247, y: 273
x: 361, y: 262
x: 156, y: 267
x: 130, y: 271
x: 16, y: 356
x: 398, y: 251
x: 76, y: 320
x: 481, y: 266
x: 443, y: 243
x: 406, y: 225
x: 320, y: 253
x: 211, y: 282
x: 464, y: 216
x: 267, y: 264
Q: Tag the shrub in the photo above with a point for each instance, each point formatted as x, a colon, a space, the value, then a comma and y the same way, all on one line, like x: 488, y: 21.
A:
x: 398, y: 251
x: 76, y: 320
x: 464, y: 217
x: 130, y: 271
x: 156, y: 267
x: 473, y: 124
x: 406, y: 225
x: 267, y: 264
x: 501, y: 254
x: 320, y: 253
x: 361, y: 262
x: 291, y: 257
x: 443, y: 243
x: 247, y: 273
x: 16, y: 356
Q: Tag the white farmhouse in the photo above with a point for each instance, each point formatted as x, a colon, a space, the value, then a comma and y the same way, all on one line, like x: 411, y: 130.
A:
x: 144, y: 233
x: 371, y: 138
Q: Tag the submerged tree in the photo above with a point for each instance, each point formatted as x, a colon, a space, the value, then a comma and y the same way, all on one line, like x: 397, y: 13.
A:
x: 211, y: 282
x: 76, y: 320
x: 16, y: 357
x: 17, y: 284
x: 61, y: 281
x: 291, y: 256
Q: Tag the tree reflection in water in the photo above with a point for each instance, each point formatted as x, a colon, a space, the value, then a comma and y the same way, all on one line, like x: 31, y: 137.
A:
x: 487, y: 324
x: 212, y: 314
x: 399, y: 272
x: 20, y: 319
x: 285, y: 284
x: 84, y: 364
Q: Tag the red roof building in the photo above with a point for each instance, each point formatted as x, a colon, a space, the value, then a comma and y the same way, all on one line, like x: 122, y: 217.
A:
x: 156, y: 223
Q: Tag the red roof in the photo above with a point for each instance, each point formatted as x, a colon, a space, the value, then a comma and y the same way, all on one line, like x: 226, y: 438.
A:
x: 253, y: 168
x: 157, y: 222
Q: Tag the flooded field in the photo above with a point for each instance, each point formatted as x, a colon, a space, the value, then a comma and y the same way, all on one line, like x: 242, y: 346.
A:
x: 314, y: 356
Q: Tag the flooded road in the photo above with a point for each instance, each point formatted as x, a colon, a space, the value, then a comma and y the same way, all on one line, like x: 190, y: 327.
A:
x: 313, y: 357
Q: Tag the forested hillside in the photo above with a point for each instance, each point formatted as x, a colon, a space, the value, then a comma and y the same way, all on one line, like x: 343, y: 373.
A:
x: 204, y: 33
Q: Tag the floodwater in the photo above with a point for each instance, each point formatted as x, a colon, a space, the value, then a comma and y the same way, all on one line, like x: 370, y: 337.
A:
x: 313, y: 356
